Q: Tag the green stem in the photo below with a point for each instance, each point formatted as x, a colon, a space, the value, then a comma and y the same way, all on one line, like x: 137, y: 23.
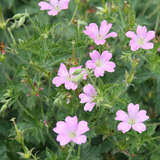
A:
x: 25, y: 110
x: 70, y: 151
x: 75, y: 11
x: 79, y: 151
x: 12, y: 37
x: 121, y: 17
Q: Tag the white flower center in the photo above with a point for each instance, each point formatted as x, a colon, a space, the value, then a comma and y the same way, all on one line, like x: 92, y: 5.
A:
x: 100, y: 37
x: 140, y: 41
x: 131, y: 121
x: 72, y: 135
x: 98, y: 63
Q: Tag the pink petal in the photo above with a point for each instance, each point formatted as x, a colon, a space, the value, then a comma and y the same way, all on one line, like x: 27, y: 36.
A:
x: 141, y: 116
x: 53, y: 12
x: 89, y: 90
x: 150, y: 35
x: 70, y: 85
x: 62, y: 72
x: 63, y: 139
x: 89, y: 106
x: 54, y: 2
x: 80, y: 139
x: 61, y: 128
x: 121, y: 116
x: 148, y: 45
x: 139, y: 127
x: 99, y: 71
x: 58, y: 81
x: 112, y: 34
x: 72, y: 122
x: 109, y: 66
x: 94, y: 55
x: 141, y: 31
x: 131, y: 34
x: 124, y: 127
x: 134, y: 45
x: 82, y: 127
x: 91, y: 30
x: 73, y: 69
x: 99, y: 42
x: 106, y: 55
x: 64, y: 4
x: 84, y: 98
x: 133, y: 109
x: 90, y: 64
x: 45, y: 6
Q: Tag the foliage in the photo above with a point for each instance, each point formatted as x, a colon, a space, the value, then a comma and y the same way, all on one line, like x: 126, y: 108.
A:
x: 35, y: 45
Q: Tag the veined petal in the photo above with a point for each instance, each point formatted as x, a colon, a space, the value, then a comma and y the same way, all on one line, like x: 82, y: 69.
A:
x: 112, y: 34
x: 147, y: 45
x: 150, y: 35
x: 131, y: 34
x: 61, y: 128
x: 58, y: 81
x: 45, y: 6
x: 82, y: 127
x: 124, y: 127
x: 80, y: 139
x: 89, y: 106
x: 141, y: 116
x: 84, y: 98
x: 139, y: 127
x: 90, y: 64
x: 133, y: 109
x: 53, y: 12
x: 106, y: 55
x: 89, y: 90
x: 94, y: 55
x: 62, y: 72
x: 63, y: 139
x: 72, y: 122
x: 121, y: 116
x: 109, y: 66
x: 99, y: 71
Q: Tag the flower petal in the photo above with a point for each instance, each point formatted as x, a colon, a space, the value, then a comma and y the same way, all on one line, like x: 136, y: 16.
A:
x: 106, y: 55
x: 150, y: 35
x: 104, y: 28
x: 148, y: 45
x: 141, y: 116
x: 121, y: 116
x: 89, y: 106
x: 82, y: 127
x: 53, y: 12
x: 80, y: 139
x: 62, y: 72
x: 63, y: 139
x: 84, y: 98
x: 131, y: 34
x: 99, y: 71
x: 133, y: 110
x: 112, y: 34
x: 124, y: 127
x: 94, y: 55
x: 58, y: 81
x: 45, y: 6
x: 61, y: 128
x: 70, y: 85
x: 64, y: 4
x: 109, y: 66
x: 89, y: 90
x: 72, y: 122
x: 90, y: 64
x: 139, y: 127
x: 73, y: 69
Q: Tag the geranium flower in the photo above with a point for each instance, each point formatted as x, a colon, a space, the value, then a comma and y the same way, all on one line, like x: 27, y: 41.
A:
x: 88, y: 97
x: 100, y: 63
x: 69, y: 79
x: 54, y: 6
x: 134, y: 119
x: 71, y: 130
x: 141, y: 38
x: 99, y: 36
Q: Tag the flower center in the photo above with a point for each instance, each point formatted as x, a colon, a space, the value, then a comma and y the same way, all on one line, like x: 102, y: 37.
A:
x: 100, y: 37
x: 72, y: 135
x: 140, y: 41
x: 131, y: 121
x: 98, y: 63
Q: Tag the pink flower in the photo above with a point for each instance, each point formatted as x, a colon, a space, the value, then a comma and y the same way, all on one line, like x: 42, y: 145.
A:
x: 99, y: 36
x: 54, y: 6
x: 69, y: 79
x: 134, y: 119
x: 71, y: 131
x: 88, y: 97
x: 141, y: 38
x: 100, y: 63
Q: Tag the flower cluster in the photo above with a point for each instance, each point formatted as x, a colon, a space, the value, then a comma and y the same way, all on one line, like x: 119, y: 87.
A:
x: 71, y: 130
